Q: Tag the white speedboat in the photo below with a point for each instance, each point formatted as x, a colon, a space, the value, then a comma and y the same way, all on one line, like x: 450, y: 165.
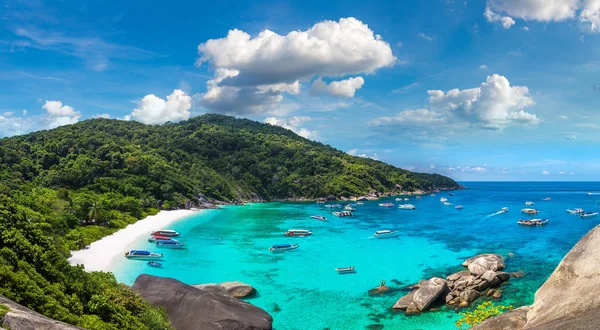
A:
x: 587, y: 215
x: 143, y: 255
x: 447, y: 203
x: 406, y: 206
x: 165, y: 232
x: 297, y: 233
x: 332, y: 206
x: 459, y: 207
x: 386, y: 204
x: 533, y: 222
x: 319, y: 217
x: 345, y: 270
x: 283, y: 247
x: 529, y: 203
x: 547, y: 199
x: 386, y: 233
x: 576, y: 211
x: 443, y: 199
x: 529, y: 211
x: 360, y: 203
x: 349, y: 208
x: 398, y: 199
x: 342, y: 214
x: 405, y: 198
x: 504, y: 209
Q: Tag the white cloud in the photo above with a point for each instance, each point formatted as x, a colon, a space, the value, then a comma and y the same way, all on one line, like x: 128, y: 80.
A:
x: 154, y: 110
x: 421, y: 117
x: 102, y: 115
x: 544, y: 172
x: 493, y: 105
x: 561, y: 173
x: 247, y: 68
x: 492, y: 17
x: 59, y: 114
x: 424, y: 36
x: 571, y: 137
x: 399, y: 44
x: 294, y: 124
x: 432, y: 166
x: 344, y: 88
x: 525, y: 28
x: 405, y: 89
x: 563, y: 117
x: 586, y: 125
x: 352, y: 152
x: 8, y: 113
x: 483, y: 67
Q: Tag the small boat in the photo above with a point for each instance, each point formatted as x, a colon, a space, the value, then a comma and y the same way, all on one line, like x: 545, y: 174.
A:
x: 406, y: 206
x: 154, y: 239
x: 547, y: 199
x: 343, y: 214
x: 360, y: 203
x: 532, y: 222
x: 443, y: 199
x: 432, y: 195
x: 529, y: 203
x: 165, y: 232
x: 405, y: 198
x: 447, y: 203
x: 142, y: 255
x: 172, y: 244
x: 297, y: 233
x: 504, y: 209
x: 319, y: 217
x: 398, y: 199
x: 459, y: 207
x: 418, y: 197
x: 345, y: 270
x: 283, y: 247
x: 332, y: 206
x: 154, y: 264
x: 576, y: 211
x: 349, y: 208
x: 529, y: 211
x: 386, y: 233
x: 386, y: 204
x: 591, y: 214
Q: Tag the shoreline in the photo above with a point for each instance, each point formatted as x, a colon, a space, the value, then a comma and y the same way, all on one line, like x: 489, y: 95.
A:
x: 101, y: 253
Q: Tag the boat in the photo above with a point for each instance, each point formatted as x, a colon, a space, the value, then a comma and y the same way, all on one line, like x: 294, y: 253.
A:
x: 319, y: 217
x: 418, y: 197
x: 398, y: 199
x: 155, y: 264
x: 406, y: 206
x: 283, y: 247
x: 172, y: 244
x: 165, y: 232
x: 529, y: 211
x: 529, y: 203
x: 343, y: 214
x: 576, y: 211
x: 432, y: 195
x: 386, y: 204
x: 386, y: 233
x: 447, y: 203
x: 345, y: 270
x: 142, y: 255
x: 349, y: 208
x: 297, y: 232
x: 360, y: 203
x: 443, y: 199
x: 332, y: 206
x: 532, y: 222
x: 155, y: 239
x: 547, y: 199
x: 591, y: 214
x: 459, y: 207
x: 405, y: 198
x: 504, y: 209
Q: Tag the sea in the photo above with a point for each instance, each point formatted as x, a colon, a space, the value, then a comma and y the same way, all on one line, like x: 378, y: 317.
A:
x: 301, y: 288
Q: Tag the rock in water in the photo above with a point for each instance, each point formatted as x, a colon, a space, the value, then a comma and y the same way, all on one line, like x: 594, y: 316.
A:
x: 479, y: 264
x: 405, y: 301
x: 205, y: 308
x: 428, y: 292
x: 238, y: 289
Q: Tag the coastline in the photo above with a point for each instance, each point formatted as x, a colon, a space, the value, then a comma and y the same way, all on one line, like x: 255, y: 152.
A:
x: 99, y: 255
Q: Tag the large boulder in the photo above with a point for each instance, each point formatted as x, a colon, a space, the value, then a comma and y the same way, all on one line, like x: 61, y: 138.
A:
x: 481, y: 263
x: 428, y: 292
x: 238, y: 289
x: 20, y: 317
x: 405, y: 301
x: 206, y: 308
x: 512, y: 320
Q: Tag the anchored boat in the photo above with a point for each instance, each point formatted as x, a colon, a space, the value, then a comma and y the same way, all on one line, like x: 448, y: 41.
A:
x: 386, y: 233
x: 165, y: 232
x: 386, y: 204
x: 154, y: 264
x: 529, y: 211
x: 587, y: 215
x: 297, y: 233
x: 532, y: 222
x: 345, y: 270
x: 319, y: 217
x: 406, y: 207
x: 154, y: 239
x: 459, y: 207
x: 576, y: 211
x: 172, y: 244
x: 529, y: 203
x: 283, y: 247
x: 343, y: 214
x: 333, y: 206
x: 443, y: 199
x: 142, y: 255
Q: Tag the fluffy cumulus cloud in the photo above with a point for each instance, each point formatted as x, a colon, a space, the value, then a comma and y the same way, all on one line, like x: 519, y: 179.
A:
x: 495, y: 104
x: 504, y: 11
x: 344, y: 88
x: 252, y: 73
x: 59, y: 114
x: 354, y: 152
x: 155, y: 110
x: 294, y: 124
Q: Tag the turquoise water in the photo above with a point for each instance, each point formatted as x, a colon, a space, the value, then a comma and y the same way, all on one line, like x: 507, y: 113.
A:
x: 301, y: 290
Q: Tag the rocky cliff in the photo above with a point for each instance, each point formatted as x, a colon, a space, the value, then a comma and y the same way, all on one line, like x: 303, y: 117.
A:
x: 569, y: 299
x: 22, y: 318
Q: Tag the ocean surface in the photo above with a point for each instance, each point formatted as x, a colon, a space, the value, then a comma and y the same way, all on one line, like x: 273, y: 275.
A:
x: 300, y: 288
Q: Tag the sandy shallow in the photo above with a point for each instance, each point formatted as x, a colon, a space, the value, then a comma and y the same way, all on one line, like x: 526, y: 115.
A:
x: 100, y: 253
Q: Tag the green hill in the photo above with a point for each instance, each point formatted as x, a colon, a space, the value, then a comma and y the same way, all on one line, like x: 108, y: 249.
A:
x: 63, y: 188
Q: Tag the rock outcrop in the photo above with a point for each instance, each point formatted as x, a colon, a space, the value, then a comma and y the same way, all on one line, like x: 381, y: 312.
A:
x: 20, y: 317
x: 459, y: 289
x: 235, y: 289
x: 205, y: 308
x: 569, y: 299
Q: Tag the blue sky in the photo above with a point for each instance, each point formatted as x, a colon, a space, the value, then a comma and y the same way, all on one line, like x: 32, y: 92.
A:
x: 478, y: 90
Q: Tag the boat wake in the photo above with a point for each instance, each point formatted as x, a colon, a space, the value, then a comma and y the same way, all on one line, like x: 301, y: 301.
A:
x: 494, y: 214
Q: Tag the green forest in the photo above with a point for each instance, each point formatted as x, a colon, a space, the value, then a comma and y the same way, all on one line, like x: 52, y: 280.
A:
x: 64, y: 188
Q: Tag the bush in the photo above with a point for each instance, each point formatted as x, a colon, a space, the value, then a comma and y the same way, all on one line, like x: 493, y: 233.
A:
x: 482, y: 312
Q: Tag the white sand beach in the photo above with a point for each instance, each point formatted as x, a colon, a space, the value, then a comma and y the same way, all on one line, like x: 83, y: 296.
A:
x: 100, y: 253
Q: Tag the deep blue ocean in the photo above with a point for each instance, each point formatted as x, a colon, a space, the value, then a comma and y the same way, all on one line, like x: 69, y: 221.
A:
x: 301, y: 290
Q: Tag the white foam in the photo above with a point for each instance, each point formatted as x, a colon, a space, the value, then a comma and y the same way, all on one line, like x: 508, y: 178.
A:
x: 100, y: 253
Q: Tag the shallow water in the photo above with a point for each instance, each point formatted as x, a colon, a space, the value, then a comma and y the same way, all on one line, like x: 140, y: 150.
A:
x: 300, y: 288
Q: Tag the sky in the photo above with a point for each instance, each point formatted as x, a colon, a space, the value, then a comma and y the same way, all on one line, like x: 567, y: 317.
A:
x: 476, y: 90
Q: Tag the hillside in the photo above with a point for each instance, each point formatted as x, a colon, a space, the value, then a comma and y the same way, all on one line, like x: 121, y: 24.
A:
x: 64, y: 188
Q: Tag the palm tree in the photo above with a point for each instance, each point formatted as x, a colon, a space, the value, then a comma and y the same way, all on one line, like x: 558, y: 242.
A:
x: 94, y: 210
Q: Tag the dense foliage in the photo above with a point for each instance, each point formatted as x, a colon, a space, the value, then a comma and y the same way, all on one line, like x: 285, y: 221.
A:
x: 64, y: 188
x: 482, y: 312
